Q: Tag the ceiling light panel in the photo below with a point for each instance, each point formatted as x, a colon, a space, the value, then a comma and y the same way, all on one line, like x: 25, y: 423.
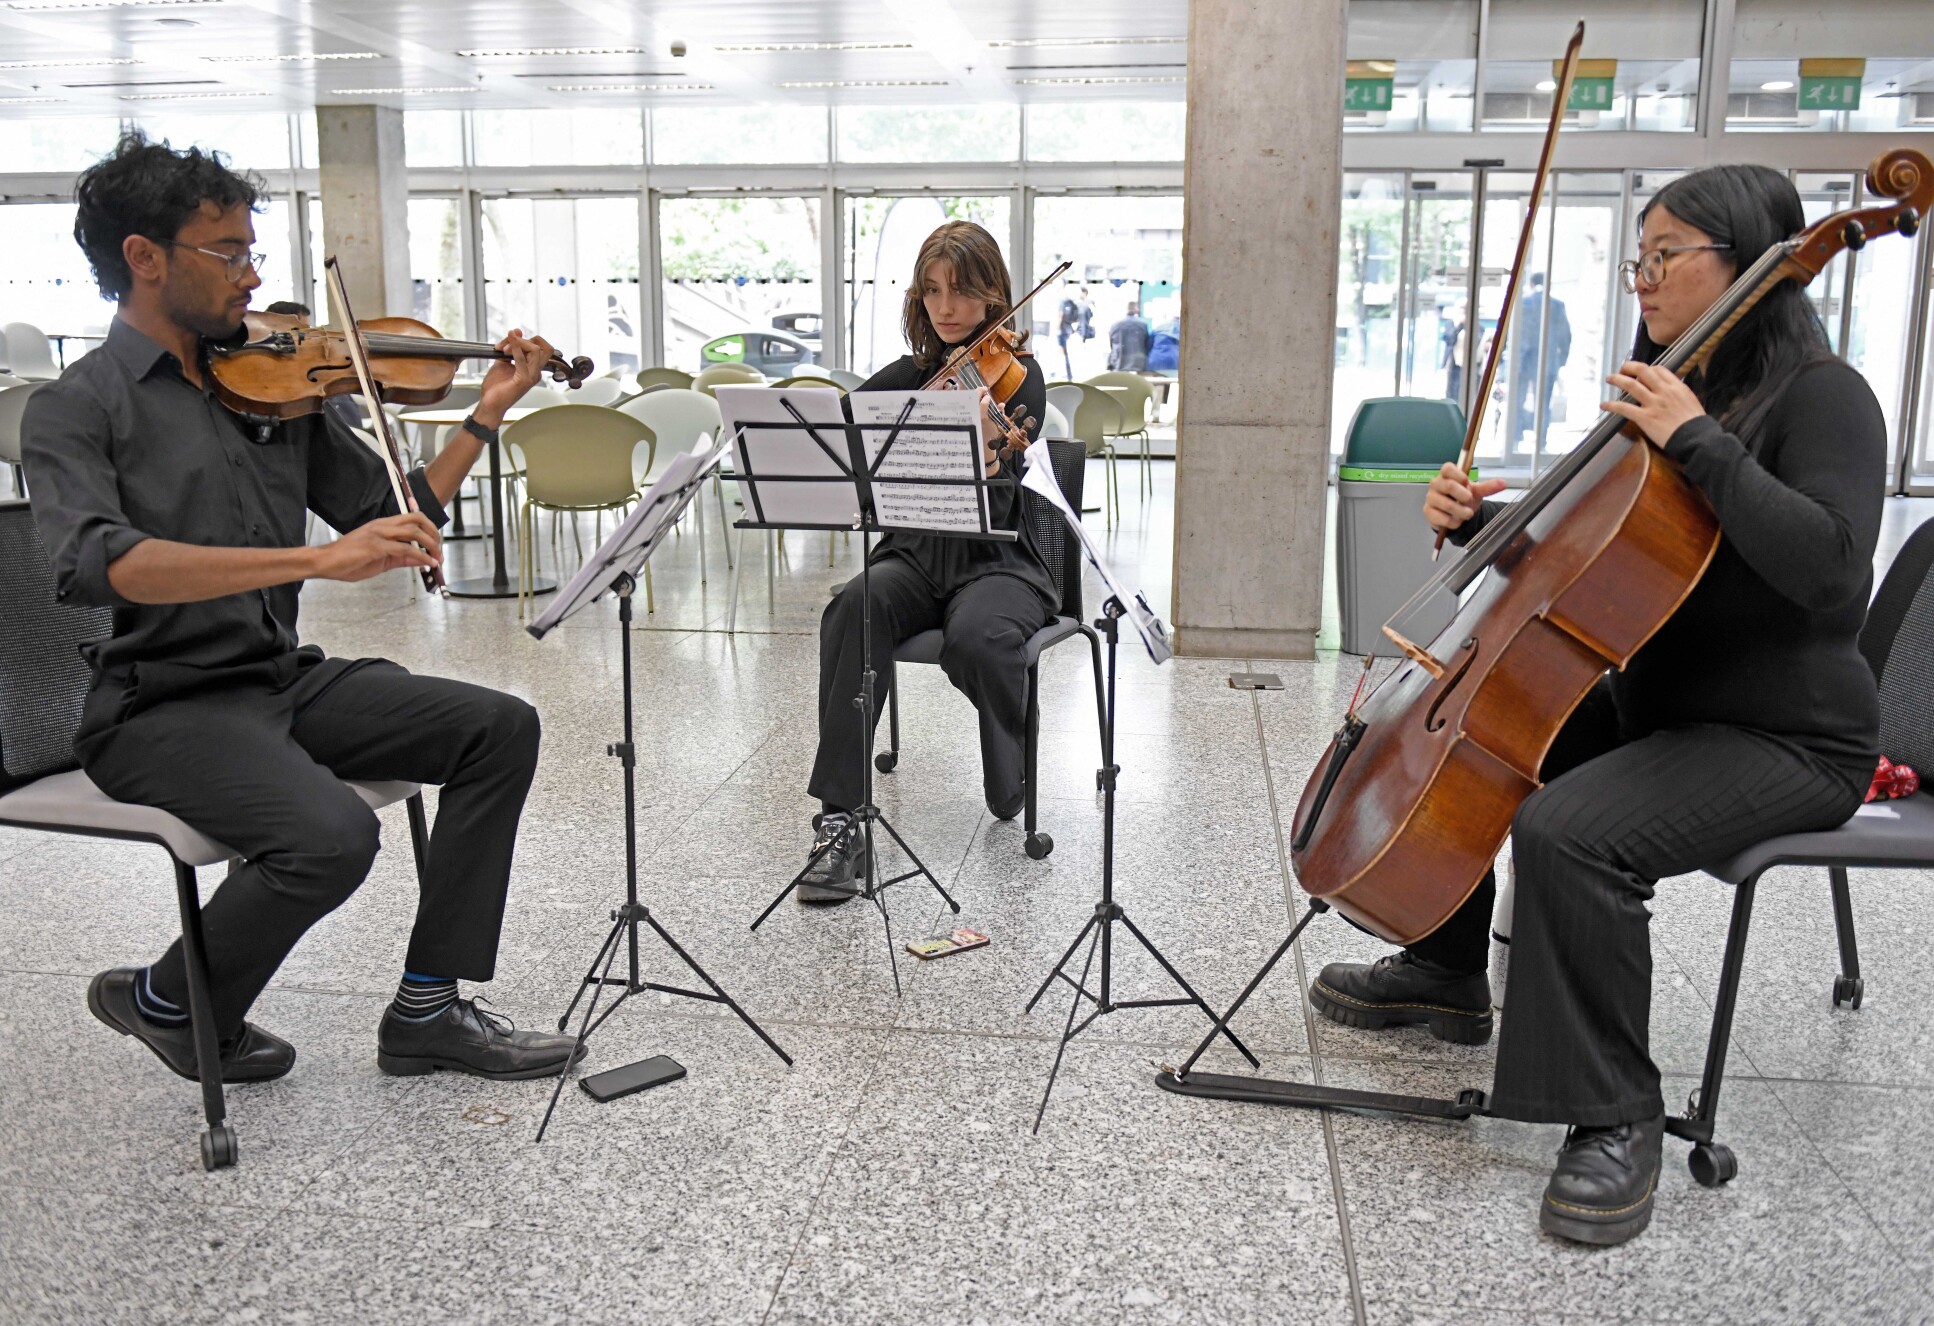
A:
x: 790, y: 46
x: 530, y: 52
x: 573, y: 88
x: 1099, y: 81
x: 399, y: 91
x: 867, y: 82
x: 1032, y: 43
x: 189, y: 96
x: 55, y: 5
x: 78, y: 63
x: 312, y: 57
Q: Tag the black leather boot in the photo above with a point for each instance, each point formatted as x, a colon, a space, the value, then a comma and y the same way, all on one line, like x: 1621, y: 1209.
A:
x: 466, y: 1039
x: 251, y: 1055
x: 1401, y: 990
x: 1601, y: 1191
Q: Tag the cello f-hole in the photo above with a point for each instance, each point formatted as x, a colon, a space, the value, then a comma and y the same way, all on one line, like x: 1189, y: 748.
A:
x: 1433, y: 722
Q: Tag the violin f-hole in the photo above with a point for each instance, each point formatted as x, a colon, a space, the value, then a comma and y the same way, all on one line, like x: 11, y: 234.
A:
x: 1433, y: 721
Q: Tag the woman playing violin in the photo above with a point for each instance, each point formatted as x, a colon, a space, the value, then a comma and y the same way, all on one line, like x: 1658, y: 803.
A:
x: 1751, y: 713
x: 986, y: 598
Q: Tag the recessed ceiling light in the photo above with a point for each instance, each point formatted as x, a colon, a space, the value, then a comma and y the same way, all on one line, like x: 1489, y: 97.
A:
x: 189, y: 96
x: 1071, y: 82
x: 1089, y: 41
x: 300, y: 57
x: 868, y: 82
x: 397, y: 91
x: 28, y: 101
x: 101, y: 4
x: 1777, y: 85
x: 552, y: 50
x: 629, y: 87
x: 64, y: 64
x: 1547, y: 85
x: 766, y: 47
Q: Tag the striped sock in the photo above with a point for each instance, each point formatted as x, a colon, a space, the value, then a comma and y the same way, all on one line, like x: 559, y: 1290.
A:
x: 153, y: 1007
x: 420, y: 998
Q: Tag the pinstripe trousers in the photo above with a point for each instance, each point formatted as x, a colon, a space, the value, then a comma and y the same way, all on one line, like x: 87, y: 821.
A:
x: 1613, y: 818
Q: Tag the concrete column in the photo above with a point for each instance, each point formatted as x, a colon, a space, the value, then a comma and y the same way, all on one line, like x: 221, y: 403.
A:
x: 366, y: 206
x: 1263, y: 196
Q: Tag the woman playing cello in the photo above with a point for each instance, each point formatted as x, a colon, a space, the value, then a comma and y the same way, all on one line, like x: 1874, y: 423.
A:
x: 1750, y: 713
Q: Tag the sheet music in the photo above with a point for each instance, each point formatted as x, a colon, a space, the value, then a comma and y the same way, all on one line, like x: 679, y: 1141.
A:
x: 638, y: 536
x: 924, y: 453
x: 790, y: 453
x: 1040, y: 480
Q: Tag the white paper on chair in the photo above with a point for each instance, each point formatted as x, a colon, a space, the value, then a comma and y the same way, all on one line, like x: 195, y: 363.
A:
x: 929, y: 446
x: 1040, y: 480
x: 789, y: 453
x: 639, y: 534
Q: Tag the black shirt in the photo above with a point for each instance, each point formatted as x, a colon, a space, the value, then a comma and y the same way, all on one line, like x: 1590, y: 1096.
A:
x: 124, y: 448
x: 1768, y: 637
x: 950, y: 564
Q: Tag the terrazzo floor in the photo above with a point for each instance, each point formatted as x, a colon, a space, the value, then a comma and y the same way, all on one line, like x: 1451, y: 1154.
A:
x: 890, y: 1175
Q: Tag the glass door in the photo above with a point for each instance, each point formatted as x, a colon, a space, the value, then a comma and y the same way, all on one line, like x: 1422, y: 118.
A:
x: 1370, y: 248
x: 566, y: 268
x: 742, y: 282
x: 1435, y: 298
x: 883, y: 237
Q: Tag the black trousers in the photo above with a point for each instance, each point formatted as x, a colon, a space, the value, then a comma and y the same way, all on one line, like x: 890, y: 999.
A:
x: 1613, y: 818
x: 253, y: 758
x: 986, y: 625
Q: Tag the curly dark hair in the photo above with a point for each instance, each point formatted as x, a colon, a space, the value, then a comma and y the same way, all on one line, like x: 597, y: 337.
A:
x: 149, y: 189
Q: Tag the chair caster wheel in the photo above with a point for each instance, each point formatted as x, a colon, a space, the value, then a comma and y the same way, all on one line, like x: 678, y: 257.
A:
x: 1712, y: 1164
x: 1039, y: 845
x: 885, y: 761
x: 1848, y: 990
x: 218, y: 1149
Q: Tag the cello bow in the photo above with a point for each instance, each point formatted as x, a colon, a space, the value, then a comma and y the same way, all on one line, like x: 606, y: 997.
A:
x: 1568, y: 71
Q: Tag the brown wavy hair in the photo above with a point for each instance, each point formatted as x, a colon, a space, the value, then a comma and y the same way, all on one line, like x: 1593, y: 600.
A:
x: 979, y: 273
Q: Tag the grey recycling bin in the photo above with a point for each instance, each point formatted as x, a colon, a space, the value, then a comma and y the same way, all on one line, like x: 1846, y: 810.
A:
x: 1396, y: 445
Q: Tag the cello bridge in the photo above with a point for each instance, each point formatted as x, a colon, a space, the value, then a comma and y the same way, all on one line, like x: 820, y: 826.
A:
x: 1417, y: 654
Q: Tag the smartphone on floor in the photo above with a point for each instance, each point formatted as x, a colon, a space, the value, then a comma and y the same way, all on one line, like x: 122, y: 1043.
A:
x: 939, y: 946
x: 640, y: 1076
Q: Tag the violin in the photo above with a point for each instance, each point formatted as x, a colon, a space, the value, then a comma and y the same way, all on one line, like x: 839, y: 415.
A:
x: 993, y: 360
x: 285, y: 369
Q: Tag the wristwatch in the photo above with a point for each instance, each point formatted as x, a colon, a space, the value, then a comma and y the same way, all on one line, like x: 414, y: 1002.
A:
x: 475, y: 429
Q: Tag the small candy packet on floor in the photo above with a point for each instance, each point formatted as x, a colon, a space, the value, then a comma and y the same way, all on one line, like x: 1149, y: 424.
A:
x: 939, y: 946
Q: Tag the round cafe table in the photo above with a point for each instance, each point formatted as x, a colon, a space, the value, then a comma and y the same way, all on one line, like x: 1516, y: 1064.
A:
x: 497, y: 585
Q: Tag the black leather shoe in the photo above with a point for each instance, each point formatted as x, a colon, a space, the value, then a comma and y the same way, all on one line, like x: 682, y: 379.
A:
x: 1401, y: 990
x: 1601, y: 1192
x: 466, y: 1039
x: 834, y: 877
x: 253, y: 1055
x: 1007, y: 810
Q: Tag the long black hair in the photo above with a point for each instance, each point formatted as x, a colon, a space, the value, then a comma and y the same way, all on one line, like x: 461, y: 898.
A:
x: 144, y: 188
x: 1750, y: 209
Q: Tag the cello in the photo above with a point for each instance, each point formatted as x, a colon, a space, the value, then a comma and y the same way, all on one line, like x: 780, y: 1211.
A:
x: 1408, y: 807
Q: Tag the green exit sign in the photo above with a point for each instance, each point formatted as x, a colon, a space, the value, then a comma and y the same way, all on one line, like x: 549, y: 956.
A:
x: 1590, y: 94
x: 1830, y: 94
x: 1367, y: 94
x: 1831, y: 84
x: 1368, y: 85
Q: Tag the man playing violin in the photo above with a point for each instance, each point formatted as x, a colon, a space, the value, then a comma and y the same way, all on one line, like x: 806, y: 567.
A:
x: 1750, y: 713
x: 986, y: 598
x: 188, y: 520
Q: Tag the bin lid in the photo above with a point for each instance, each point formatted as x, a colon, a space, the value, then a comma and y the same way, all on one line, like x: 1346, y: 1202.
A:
x: 1400, y: 431
x: 1390, y: 473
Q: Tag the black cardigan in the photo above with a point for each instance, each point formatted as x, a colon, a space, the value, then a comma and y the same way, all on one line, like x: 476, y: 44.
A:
x: 1768, y: 638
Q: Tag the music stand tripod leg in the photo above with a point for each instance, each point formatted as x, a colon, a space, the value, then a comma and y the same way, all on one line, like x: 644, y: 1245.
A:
x: 1107, y: 911
x: 626, y: 919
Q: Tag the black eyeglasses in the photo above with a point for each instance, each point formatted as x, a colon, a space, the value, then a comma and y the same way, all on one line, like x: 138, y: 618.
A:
x: 1650, y: 267
x: 236, y: 264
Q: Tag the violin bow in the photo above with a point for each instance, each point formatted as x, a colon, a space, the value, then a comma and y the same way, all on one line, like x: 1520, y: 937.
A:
x: 1010, y: 428
x: 1568, y: 71
x: 390, y: 453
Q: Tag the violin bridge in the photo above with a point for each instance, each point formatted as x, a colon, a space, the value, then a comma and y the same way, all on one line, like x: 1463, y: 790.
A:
x: 1417, y: 654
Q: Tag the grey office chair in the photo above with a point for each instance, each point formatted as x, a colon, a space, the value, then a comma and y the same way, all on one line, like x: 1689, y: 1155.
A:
x: 1898, y: 642
x: 43, y: 680
x: 1061, y: 550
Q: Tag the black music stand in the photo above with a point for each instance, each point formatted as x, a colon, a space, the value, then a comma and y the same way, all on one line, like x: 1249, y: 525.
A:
x: 1099, y: 929
x: 615, y: 567
x: 851, y: 470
